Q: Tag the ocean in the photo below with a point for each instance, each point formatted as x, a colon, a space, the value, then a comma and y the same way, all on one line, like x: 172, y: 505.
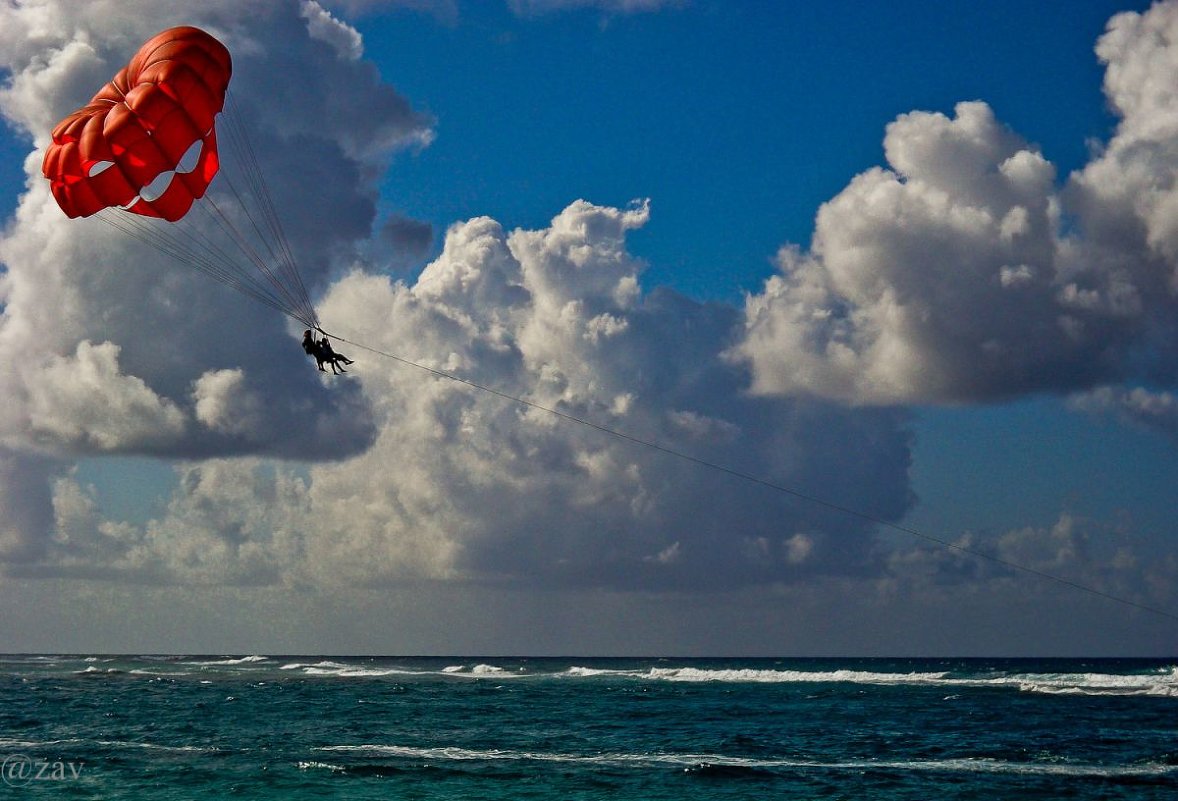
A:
x: 309, y: 727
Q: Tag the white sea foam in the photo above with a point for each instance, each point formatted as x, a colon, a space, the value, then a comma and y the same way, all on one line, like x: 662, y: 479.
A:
x: 693, y: 760
x: 12, y: 743
x: 1162, y: 683
x: 156, y: 746
x: 346, y: 671
x: 588, y: 672
x: 356, y: 673
x: 481, y: 670
x: 8, y: 743
x: 322, y: 666
x: 328, y: 668
x: 748, y: 675
x: 229, y: 662
x: 312, y: 765
x: 93, y: 670
x: 487, y: 669
x: 1157, y: 683
x: 494, y: 670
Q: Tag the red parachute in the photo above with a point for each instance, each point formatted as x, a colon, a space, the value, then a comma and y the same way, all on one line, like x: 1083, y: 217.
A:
x: 146, y: 141
x: 145, y: 146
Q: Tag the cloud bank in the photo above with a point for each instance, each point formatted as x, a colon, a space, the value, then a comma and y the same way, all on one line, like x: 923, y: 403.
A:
x: 461, y: 484
x: 963, y: 272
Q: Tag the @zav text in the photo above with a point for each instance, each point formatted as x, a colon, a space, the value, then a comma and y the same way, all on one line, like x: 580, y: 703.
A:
x: 19, y: 770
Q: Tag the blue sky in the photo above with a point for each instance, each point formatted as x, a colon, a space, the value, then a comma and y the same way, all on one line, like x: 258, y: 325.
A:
x: 738, y: 121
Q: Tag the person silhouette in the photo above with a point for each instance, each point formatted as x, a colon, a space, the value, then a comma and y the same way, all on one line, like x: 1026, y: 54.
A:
x: 331, y: 357
x: 323, y: 352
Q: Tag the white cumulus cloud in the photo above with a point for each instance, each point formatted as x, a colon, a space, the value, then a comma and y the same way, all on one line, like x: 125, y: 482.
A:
x: 463, y: 484
x: 82, y: 401
x: 345, y: 39
x: 965, y: 272
x: 1155, y: 410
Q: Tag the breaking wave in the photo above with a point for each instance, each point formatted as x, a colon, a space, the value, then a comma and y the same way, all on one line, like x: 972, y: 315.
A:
x: 1162, y: 682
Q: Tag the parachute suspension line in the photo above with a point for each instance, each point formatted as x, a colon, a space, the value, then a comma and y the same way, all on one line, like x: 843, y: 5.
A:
x: 753, y: 479
x: 258, y: 178
x: 250, y: 252
x: 273, y: 281
x: 242, y: 149
x: 296, y: 308
x: 168, y: 238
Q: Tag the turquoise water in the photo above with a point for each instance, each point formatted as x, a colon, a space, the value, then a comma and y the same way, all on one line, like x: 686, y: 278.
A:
x: 260, y: 727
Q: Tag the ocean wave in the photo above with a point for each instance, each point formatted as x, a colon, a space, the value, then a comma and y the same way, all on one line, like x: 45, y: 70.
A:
x: 310, y: 764
x: 93, y: 670
x: 1162, y: 682
x: 343, y: 670
x: 164, y: 674
x: 476, y: 670
x: 13, y: 743
x: 483, y: 671
x: 1159, y: 683
x: 705, y: 763
x: 7, y: 743
x: 837, y: 676
x: 752, y: 675
x: 233, y: 661
x: 322, y: 664
x: 177, y: 749
x: 353, y: 672
x: 1132, y: 686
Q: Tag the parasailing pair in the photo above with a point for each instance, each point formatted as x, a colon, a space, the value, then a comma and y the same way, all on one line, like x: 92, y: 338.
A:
x: 142, y: 153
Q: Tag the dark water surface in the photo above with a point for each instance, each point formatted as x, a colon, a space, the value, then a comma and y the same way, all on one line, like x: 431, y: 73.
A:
x: 146, y: 727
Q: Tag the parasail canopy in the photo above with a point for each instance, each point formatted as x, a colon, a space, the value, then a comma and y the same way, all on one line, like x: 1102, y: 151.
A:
x: 146, y: 141
x: 146, y: 146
